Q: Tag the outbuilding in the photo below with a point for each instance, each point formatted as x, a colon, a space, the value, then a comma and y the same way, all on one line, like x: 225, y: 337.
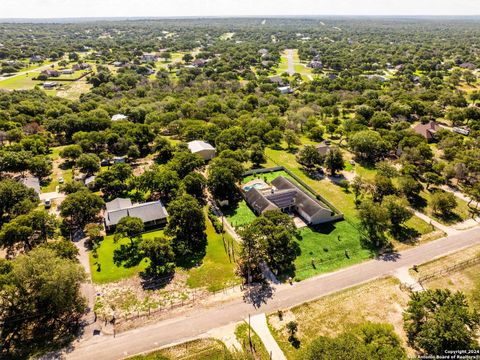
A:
x: 202, y: 148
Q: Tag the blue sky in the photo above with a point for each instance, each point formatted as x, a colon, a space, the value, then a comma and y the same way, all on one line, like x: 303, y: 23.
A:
x: 122, y: 8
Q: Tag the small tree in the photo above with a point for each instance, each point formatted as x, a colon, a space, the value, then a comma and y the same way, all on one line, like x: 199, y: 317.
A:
x: 161, y: 255
x: 88, y: 163
x: 432, y: 178
x: 443, y: 203
x: 309, y: 157
x: 334, y: 161
x: 397, y: 209
x: 291, y: 138
x: 374, y: 220
x: 129, y: 227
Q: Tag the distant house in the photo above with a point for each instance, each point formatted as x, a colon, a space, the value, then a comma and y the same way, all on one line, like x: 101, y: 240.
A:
x: 89, y: 182
x: 377, y: 77
x: 285, y: 89
x: 315, y: 64
x: 32, y: 183
x: 118, y: 117
x: 277, y: 80
x: 68, y: 71
x: 332, y: 76
x: 118, y: 63
x: 49, y: 85
x: 36, y: 58
x: 286, y: 196
x: 467, y: 65
x: 199, y: 62
x: 149, y: 57
x: 51, y: 73
x: 323, y: 148
x: 81, y: 66
x: 461, y: 130
x: 119, y: 159
x: 263, y: 52
x: 202, y: 148
x: 152, y: 213
x: 428, y: 130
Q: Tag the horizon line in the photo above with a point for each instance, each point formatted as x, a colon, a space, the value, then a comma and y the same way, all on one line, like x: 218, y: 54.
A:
x: 305, y: 16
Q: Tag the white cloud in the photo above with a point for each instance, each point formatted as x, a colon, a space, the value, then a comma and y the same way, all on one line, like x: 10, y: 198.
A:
x: 123, y: 8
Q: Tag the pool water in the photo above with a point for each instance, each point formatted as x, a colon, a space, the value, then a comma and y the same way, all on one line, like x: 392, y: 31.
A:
x: 256, y: 186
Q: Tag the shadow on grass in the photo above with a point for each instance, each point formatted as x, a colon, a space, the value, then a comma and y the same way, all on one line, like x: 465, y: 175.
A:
x: 127, y: 255
x: 418, y: 202
x: 404, y: 234
x: 153, y: 282
x: 192, y: 259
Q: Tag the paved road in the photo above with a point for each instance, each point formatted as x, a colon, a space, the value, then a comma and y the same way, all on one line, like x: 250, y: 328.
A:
x: 291, y: 67
x: 199, y: 321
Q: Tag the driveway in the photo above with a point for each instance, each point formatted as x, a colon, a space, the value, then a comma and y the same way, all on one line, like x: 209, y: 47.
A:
x: 291, y: 68
x: 200, y: 320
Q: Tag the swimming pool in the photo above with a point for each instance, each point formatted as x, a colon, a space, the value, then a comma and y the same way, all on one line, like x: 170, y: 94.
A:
x: 256, y: 186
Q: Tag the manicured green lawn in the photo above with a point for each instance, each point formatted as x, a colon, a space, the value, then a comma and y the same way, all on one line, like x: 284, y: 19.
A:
x: 460, y: 213
x: 326, y: 246
x: 104, y: 269
x: 20, y: 82
x: 217, y: 270
x: 240, y: 215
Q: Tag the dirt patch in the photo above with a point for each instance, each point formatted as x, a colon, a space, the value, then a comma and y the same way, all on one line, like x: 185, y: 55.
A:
x: 128, y: 298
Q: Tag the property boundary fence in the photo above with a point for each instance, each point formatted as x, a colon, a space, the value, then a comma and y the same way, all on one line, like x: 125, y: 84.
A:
x: 339, y: 214
x: 445, y: 271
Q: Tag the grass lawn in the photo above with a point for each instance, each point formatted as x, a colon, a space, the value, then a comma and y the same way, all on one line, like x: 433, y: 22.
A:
x: 379, y: 301
x: 240, y: 215
x: 202, y: 349
x: 104, y: 269
x: 460, y: 213
x: 216, y: 271
x: 327, y: 246
x: 258, y: 349
x: 21, y: 82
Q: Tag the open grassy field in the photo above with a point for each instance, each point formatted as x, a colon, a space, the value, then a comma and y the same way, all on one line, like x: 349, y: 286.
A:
x: 217, y: 270
x: 298, y: 66
x: 21, y: 82
x: 202, y: 349
x: 379, y: 301
x: 460, y: 213
x: 239, y: 215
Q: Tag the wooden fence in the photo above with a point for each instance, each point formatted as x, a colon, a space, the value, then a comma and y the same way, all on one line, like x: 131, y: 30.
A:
x: 448, y: 270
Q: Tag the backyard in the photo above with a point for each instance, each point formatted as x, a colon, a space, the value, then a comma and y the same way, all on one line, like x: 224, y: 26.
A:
x: 215, y: 272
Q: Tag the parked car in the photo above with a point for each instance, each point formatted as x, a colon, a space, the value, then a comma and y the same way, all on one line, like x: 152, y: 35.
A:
x: 48, y: 204
x: 60, y: 180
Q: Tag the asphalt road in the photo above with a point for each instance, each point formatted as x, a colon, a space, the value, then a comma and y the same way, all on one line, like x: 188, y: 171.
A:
x: 200, y: 320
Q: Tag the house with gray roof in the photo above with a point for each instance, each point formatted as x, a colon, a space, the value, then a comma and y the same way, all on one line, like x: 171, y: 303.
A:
x: 152, y: 213
x: 287, y: 196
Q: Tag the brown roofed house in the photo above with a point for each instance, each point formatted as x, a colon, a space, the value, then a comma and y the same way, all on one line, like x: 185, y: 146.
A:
x: 427, y: 130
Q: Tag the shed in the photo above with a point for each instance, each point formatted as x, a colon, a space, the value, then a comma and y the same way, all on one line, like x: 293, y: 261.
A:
x: 202, y: 148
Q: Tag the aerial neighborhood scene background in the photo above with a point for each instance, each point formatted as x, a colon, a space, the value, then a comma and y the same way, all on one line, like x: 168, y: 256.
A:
x: 231, y: 182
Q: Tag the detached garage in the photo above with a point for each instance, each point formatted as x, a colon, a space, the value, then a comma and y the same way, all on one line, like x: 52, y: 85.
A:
x: 202, y: 148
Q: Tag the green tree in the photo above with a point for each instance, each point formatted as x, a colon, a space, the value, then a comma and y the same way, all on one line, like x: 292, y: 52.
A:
x: 291, y: 138
x: 432, y: 178
x: 80, y: 208
x: 374, y: 220
x: 186, y: 225
x: 366, y: 341
x: 397, y: 209
x: 439, y: 320
x: 41, y: 303
x: 40, y: 166
x: 88, y: 163
x: 161, y: 255
x: 334, y: 161
x: 257, y: 155
x: 129, y: 227
x: 71, y: 152
x: 309, y: 157
x: 443, y: 203
x: 368, y: 145
x: 27, y: 231
x: 114, y: 181
x: 15, y: 199
x: 409, y: 187
x: 195, y: 184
